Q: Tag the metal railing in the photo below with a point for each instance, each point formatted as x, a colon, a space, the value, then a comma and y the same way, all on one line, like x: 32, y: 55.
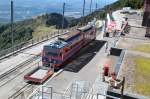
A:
x: 79, y: 90
x: 119, y: 61
x: 27, y: 44
x: 23, y: 45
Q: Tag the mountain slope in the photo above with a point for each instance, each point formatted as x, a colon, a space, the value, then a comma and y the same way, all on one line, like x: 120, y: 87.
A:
x: 23, y: 30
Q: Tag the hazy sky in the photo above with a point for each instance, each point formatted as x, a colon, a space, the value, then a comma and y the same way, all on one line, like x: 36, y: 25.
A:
x: 47, y: 4
x: 34, y: 2
x: 28, y: 8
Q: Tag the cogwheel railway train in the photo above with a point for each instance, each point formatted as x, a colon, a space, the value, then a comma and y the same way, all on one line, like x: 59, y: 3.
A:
x: 59, y: 51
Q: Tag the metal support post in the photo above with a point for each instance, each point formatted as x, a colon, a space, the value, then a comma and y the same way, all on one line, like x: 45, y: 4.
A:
x: 42, y: 92
x: 96, y: 6
x: 51, y: 93
x: 12, y: 26
x: 47, y: 36
x: 122, y: 89
x: 32, y: 41
x: 77, y: 90
x: 83, y: 8
x: 63, y: 15
x: 91, y: 6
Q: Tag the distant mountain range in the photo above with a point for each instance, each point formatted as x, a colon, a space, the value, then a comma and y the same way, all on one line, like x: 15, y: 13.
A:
x: 25, y: 9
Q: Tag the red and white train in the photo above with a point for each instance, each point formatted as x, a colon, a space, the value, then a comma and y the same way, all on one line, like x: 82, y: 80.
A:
x: 59, y: 51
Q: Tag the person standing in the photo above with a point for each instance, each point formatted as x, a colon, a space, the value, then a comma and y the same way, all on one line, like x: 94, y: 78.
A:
x: 146, y: 17
x: 126, y: 26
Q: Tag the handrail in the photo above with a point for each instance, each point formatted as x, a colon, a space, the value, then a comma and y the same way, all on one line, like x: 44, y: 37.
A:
x: 24, y: 45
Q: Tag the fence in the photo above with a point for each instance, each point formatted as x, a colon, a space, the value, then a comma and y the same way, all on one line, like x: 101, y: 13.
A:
x: 77, y: 90
x: 32, y: 42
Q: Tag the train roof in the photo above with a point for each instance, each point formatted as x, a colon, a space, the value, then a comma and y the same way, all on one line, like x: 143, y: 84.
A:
x: 68, y: 35
x: 57, y: 44
x: 85, y: 28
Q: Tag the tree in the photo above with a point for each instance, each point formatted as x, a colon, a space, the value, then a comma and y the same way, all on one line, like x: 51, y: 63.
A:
x: 56, y: 19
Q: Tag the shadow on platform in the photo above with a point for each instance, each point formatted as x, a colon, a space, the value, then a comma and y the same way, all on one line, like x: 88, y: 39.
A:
x: 84, y: 56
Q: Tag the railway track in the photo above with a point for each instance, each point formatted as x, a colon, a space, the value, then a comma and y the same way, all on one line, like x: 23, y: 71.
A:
x: 14, y: 77
x: 19, y: 66
x: 24, y: 92
x: 16, y: 68
x: 10, y: 77
x: 14, y: 71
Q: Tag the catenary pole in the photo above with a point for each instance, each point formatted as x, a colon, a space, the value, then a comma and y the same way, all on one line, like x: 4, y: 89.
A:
x: 91, y: 6
x: 12, y: 25
x: 96, y: 6
x: 83, y: 8
x: 63, y: 15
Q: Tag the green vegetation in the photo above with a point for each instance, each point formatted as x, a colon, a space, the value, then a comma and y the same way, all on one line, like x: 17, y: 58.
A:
x: 55, y: 19
x: 100, y: 13
x: 2, y: 21
x: 135, y: 4
x: 142, y: 73
x: 25, y: 30
x: 143, y: 48
x: 41, y: 31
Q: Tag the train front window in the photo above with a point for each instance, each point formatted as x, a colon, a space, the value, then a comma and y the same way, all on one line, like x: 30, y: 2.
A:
x: 52, y: 54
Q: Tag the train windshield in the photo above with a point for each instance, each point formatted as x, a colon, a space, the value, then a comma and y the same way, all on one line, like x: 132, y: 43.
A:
x: 51, y: 54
